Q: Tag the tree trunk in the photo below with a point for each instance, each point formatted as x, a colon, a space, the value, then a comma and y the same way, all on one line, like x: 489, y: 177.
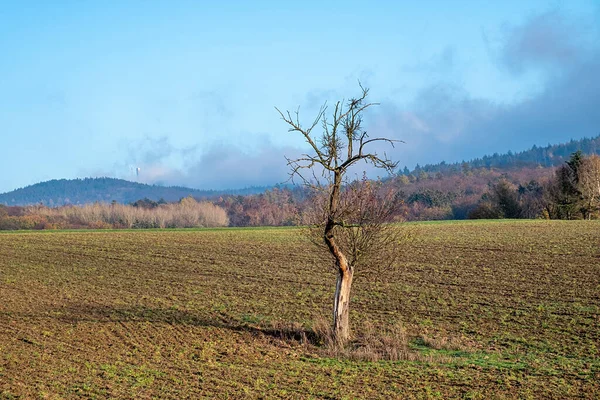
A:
x: 341, y: 306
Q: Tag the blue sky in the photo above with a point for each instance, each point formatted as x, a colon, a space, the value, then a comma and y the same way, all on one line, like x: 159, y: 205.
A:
x: 186, y: 90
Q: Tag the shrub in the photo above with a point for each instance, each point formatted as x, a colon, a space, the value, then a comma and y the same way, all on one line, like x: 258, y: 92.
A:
x: 188, y: 213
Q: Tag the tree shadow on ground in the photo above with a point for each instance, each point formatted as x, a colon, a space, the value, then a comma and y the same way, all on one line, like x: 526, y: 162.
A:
x: 78, y: 313
x: 371, y: 345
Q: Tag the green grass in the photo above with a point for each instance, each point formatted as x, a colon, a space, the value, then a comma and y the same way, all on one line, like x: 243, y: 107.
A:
x: 501, y: 309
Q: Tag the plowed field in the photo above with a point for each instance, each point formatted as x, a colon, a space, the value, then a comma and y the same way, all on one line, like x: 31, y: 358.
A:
x: 191, y: 314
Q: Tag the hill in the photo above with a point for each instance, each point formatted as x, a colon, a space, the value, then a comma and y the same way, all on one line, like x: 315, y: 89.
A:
x: 89, y: 190
x: 536, y: 157
x: 438, y: 185
x: 453, y: 191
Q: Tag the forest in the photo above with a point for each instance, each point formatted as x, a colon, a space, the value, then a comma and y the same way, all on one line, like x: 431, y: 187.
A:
x: 538, y: 183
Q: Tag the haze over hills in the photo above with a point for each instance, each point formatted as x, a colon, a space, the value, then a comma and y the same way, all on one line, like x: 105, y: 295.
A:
x: 90, y: 190
x: 105, y: 190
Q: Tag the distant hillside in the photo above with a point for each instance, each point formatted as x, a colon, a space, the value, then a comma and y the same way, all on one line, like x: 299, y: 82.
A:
x: 452, y: 191
x: 90, y: 190
x: 462, y: 179
x: 548, y: 156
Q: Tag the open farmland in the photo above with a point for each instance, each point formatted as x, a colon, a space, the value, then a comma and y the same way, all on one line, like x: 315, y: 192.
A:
x: 198, y: 313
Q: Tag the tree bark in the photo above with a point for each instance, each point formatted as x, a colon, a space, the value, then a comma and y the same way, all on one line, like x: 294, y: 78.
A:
x: 341, y: 303
x: 341, y: 306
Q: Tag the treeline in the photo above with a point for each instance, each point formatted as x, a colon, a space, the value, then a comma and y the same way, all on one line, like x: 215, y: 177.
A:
x: 547, y: 156
x: 456, y: 196
x: 187, y: 213
x: 572, y: 193
x: 61, y: 192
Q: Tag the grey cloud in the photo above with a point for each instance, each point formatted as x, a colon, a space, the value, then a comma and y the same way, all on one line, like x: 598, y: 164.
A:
x: 225, y: 167
x: 150, y: 150
x: 444, y: 122
x: 549, y: 40
x: 229, y: 167
x: 154, y: 150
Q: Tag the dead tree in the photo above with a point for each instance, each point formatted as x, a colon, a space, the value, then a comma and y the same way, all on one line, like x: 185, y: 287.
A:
x: 589, y: 185
x: 351, y: 218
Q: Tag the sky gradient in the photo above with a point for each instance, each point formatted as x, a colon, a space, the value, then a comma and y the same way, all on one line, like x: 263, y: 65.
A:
x: 186, y: 90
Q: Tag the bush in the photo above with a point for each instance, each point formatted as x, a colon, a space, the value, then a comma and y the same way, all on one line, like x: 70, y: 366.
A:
x: 485, y: 210
x: 188, y: 213
x: 9, y: 223
x: 463, y: 208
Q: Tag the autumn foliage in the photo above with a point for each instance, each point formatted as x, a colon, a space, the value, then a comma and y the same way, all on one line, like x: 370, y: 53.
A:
x: 570, y: 191
x: 187, y: 213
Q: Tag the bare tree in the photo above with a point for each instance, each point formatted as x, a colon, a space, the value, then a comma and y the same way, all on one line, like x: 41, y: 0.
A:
x: 589, y: 184
x: 350, y: 217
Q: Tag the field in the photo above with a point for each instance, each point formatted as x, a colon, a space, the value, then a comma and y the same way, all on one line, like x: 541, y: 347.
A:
x: 489, y: 309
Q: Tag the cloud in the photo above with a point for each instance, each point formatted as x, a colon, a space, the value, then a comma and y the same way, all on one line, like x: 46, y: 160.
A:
x: 549, y: 40
x: 150, y: 150
x: 443, y: 122
x: 228, y: 167
x: 223, y: 167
